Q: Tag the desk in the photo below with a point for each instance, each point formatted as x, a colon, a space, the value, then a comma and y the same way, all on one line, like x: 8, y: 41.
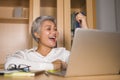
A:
x: 52, y: 77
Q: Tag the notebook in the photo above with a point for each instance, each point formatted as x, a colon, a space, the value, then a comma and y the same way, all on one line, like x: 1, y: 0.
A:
x: 93, y: 52
x: 20, y: 73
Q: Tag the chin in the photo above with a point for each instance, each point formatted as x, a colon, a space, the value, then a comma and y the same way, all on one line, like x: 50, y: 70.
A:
x: 53, y: 46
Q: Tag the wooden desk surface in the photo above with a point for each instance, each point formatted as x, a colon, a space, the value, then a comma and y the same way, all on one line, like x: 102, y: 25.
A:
x: 52, y: 77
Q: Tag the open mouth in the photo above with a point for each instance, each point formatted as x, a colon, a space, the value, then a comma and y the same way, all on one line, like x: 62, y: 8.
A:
x: 53, y: 39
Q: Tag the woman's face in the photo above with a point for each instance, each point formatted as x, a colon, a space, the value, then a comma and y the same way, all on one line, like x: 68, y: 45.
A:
x: 48, y: 34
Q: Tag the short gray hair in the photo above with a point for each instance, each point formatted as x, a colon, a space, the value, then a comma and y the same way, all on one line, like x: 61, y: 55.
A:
x: 37, y: 24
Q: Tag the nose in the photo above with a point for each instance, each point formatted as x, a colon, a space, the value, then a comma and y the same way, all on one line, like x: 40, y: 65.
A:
x: 55, y: 32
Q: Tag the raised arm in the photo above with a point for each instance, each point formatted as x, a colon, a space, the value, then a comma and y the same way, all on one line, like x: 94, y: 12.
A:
x: 82, y: 20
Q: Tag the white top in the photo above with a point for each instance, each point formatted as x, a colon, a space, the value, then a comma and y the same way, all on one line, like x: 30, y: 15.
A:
x: 37, y: 61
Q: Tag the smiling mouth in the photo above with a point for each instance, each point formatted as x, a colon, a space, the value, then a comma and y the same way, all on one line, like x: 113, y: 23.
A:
x: 52, y: 39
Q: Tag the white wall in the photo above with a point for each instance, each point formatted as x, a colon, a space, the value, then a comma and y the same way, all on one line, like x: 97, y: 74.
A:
x: 106, y: 16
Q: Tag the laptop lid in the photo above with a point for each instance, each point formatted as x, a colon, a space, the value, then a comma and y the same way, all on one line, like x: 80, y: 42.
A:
x: 94, y: 52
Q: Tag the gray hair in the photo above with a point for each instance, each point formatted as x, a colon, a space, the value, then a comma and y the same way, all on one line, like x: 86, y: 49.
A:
x: 37, y: 24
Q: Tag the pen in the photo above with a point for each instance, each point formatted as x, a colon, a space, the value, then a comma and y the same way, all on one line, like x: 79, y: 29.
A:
x: 46, y: 73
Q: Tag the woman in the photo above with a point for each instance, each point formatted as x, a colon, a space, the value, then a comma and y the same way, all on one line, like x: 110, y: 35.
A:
x: 45, y: 56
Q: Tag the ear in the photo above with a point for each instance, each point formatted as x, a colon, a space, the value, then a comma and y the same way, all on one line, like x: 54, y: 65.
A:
x: 37, y: 35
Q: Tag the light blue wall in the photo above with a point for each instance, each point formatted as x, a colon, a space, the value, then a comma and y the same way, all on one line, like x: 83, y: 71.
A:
x: 106, y: 15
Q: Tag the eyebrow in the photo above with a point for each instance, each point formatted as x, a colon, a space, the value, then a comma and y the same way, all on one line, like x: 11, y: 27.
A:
x: 50, y: 25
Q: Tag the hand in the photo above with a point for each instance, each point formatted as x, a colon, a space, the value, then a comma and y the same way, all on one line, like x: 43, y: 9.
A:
x: 64, y: 65
x: 59, y: 65
x: 81, y: 19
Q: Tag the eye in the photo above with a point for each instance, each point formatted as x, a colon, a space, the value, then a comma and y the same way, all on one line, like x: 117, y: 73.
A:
x: 48, y: 28
x: 55, y: 29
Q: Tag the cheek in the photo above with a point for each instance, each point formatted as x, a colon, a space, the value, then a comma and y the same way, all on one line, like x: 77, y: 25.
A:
x: 45, y: 33
x: 44, y: 36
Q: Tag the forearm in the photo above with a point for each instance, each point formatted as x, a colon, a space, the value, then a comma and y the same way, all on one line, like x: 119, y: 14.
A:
x: 33, y: 65
x: 84, y: 24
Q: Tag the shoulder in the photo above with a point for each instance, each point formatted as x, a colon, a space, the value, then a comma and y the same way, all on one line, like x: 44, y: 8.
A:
x: 27, y: 50
x: 22, y: 53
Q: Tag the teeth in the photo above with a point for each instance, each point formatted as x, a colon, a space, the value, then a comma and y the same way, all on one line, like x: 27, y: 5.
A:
x: 52, y: 37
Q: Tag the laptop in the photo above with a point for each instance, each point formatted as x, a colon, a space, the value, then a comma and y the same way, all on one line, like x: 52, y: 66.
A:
x: 93, y: 52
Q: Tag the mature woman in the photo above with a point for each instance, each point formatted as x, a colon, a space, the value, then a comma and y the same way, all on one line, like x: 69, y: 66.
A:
x: 45, y: 56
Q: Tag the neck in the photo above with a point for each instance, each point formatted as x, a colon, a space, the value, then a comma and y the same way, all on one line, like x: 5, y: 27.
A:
x: 43, y: 50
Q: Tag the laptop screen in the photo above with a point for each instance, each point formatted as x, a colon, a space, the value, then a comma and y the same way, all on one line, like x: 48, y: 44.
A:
x: 94, y: 52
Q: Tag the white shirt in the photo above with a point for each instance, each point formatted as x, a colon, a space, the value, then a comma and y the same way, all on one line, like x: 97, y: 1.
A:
x: 35, y: 60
